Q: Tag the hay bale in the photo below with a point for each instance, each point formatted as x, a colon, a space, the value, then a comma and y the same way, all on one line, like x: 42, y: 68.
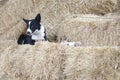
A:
x: 93, y: 63
x: 26, y: 62
x: 52, y: 12
x: 7, y: 43
x: 91, y: 30
x: 89, y: 6
x: 51, y: 61
x: 2, y: 2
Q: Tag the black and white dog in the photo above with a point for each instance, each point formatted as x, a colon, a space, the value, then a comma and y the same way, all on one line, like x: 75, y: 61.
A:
x: 35, y: 31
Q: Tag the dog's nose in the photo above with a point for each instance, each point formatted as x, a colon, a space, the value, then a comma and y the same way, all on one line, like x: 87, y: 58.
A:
x: 28, y: 33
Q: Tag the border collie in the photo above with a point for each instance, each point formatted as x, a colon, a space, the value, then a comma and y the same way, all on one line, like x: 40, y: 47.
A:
x: 35, y: 31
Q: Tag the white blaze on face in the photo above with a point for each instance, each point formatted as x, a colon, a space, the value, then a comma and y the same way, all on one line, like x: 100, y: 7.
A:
x: 28, y: 29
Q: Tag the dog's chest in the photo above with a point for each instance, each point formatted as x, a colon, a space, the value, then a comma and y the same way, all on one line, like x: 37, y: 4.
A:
x: 39, y: 34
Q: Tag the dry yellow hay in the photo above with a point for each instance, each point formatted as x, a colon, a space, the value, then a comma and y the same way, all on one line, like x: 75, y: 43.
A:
x: 91, y: 30
x: 88, y: 6
x: 26, y: 62
x: 52, y: 12
x: 51, y: 61
x: 2, y: 2
x: 100, y: 63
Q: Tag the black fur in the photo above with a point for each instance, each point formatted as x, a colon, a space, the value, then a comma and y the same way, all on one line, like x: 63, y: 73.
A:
x: 25, y: 39
x: 35, y: 23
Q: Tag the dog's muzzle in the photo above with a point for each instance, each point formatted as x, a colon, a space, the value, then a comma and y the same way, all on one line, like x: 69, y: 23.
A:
x: 28, y: 33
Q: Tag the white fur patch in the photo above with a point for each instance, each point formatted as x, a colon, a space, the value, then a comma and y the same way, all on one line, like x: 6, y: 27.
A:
x: 39, y: 34
x: 28, y: 29
x: 29, y: 23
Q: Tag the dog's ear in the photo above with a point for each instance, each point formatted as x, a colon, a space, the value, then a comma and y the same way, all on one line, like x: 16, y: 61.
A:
x: 38, y: 18
x: 26, y: 21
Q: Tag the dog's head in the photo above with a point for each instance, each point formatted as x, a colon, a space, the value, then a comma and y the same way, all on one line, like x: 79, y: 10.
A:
x: 33, y: 25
